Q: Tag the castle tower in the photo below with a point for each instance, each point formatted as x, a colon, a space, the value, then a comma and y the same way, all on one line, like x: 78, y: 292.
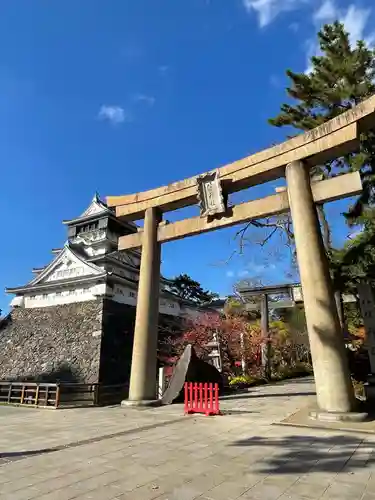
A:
x: 89, y: 266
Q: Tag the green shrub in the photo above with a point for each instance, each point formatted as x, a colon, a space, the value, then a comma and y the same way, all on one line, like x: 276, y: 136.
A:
x: 282, y: 373
x: 242, y: 380
x: 359, y: 389
x: 297, y: 370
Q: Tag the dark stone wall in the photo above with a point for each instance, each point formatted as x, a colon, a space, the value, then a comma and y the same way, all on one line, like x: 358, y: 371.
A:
x: 117, y: 342
x: 59, y: 342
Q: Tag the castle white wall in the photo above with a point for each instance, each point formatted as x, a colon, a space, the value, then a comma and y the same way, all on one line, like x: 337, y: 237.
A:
x: 118, y: 293
x: 66, y: 296
x: 126, y: 295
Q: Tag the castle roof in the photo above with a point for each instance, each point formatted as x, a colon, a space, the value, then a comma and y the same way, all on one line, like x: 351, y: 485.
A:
x: 96, y: 209
x: 66, y: 268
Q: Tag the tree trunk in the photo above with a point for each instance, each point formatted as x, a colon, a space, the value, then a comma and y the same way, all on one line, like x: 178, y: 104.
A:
x: 266, y: 345
x: 243, y: 360
x: 327, y: 241
x: 326, y: 231
x: 340, y: 309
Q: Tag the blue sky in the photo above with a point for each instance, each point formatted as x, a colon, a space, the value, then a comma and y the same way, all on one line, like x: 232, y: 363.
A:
x: 123, y: 96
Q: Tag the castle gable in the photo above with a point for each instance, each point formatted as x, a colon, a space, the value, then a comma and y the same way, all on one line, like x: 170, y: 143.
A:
x: 66, y: 265
x: 96, y: 207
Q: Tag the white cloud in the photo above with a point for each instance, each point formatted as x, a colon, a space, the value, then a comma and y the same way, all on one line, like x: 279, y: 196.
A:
x: 114, y: 114
x: 243, y: 273
x: 268, y: 10
x: 255, y: 269
x: 163, y: 69
x: 147, y: 99
x: 354, y: 19
x: 325, y: 13
x: 252, y: 270
x: 294, y: 27
x: 275, y: 81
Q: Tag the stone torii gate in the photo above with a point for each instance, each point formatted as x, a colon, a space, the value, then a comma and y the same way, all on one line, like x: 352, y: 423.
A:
x: 292, y: 160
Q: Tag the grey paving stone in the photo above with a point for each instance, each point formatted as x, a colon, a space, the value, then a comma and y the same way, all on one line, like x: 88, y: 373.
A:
x: 288, y: 496
x: 307, y: 489
x: 25, y: 494
x: 229, y: 490
x: 184, y: 492
x: 344, y: 491
x: 112, y: 453
x: 263, y: 492
x: 370, y: 486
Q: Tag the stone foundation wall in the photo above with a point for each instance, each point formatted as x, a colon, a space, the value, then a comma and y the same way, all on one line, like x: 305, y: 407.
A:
x: 86, y: 342
x: 60, y: 342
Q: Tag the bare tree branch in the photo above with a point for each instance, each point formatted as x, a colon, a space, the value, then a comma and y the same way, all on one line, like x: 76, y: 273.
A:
x: 282, y: 223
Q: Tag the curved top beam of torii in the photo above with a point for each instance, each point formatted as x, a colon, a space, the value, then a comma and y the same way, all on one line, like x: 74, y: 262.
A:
x: 335, y: 138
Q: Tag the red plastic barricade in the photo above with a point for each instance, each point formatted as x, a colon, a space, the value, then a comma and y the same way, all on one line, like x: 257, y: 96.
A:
x: 202, y: 398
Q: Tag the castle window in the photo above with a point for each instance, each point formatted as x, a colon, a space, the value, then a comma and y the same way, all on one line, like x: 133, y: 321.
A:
x: 88, y: 227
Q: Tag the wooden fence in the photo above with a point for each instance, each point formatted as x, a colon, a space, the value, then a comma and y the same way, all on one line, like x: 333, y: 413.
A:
x: 60, y: 395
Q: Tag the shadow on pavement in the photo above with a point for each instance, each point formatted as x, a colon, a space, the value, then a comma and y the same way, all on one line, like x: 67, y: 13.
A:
x: 237, y: 412
x: 19, y: 455
x: 13, y: 456
x: 301, y: 454
x: 247, y: 395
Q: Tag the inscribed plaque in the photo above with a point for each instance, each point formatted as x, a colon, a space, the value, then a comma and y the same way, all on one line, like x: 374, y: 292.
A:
x: 210, y: 194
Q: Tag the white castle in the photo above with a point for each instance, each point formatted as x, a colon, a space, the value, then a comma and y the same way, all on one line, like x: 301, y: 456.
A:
x: 90, y: 266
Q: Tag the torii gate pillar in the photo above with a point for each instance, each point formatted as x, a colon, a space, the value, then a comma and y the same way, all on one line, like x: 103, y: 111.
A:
x: 332, y: 378
x: 142, y: 391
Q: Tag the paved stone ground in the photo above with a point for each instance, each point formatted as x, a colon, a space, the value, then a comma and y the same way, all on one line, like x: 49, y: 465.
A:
x: 116, y: 453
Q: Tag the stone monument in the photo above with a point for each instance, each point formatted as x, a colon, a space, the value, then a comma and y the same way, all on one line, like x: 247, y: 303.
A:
x: 189, y: 368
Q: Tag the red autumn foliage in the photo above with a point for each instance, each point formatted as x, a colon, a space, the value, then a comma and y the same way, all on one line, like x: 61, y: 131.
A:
x: 238, y: 340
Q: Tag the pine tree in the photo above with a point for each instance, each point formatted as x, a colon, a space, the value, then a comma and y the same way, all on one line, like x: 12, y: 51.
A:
x: 186, y: 288
x: 340, y: 78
